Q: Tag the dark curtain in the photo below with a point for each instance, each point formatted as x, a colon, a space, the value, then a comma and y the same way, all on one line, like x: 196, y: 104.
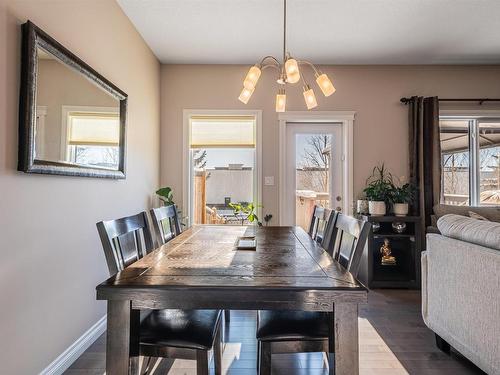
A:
x: 425, y: 154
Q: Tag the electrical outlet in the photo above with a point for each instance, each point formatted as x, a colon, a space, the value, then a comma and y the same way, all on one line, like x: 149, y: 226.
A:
x: 269, y: 180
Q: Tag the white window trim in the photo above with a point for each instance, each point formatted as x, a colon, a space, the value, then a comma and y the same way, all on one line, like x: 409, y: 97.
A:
x: 471, y: 114
x: 346, y: 119
x: 186, y: 178
x: 65, y: 110
x: 41, y: 114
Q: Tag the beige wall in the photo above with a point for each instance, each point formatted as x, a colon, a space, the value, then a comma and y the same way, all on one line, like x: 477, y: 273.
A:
x: 51, y: 257
x: 380, y: 128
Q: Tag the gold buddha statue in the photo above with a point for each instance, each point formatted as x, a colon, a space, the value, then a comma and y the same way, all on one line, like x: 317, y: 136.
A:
x: 385, y: 250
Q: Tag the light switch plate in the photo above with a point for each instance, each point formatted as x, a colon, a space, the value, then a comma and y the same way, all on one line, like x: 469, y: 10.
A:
x: 269, y: 180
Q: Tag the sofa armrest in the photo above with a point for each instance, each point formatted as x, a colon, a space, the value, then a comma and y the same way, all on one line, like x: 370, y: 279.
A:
x: 424, y: 285
x: 462, y: 297
x: 432, y: 229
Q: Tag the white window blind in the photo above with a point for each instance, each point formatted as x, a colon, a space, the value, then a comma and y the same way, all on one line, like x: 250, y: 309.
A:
x: 98, y: 129
x: 222, y: 132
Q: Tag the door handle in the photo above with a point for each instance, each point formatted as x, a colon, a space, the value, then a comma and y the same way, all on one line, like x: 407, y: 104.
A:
x: 338, y: 198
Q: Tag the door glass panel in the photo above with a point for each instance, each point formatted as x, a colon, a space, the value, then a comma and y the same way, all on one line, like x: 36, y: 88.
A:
x: 312, y: 177
x: 454, y: 135
x: 489, y: 163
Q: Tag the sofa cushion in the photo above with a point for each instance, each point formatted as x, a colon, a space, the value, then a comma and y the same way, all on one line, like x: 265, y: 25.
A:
x: 480, y: 232
x: 475, y: 215
x: 490, y: 213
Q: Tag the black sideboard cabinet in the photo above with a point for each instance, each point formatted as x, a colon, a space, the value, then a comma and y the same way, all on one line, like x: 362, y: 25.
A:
x: 405, y: 247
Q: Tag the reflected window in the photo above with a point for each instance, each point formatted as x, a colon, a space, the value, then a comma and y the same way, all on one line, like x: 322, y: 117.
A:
x: 93, y: 139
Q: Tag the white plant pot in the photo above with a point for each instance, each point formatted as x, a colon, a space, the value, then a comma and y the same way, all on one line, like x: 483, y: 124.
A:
x: 376, y: 208
x: 362, y: 206
x: 400, y: 209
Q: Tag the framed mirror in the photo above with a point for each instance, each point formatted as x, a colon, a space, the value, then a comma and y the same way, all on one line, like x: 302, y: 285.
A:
x: 71, y: 119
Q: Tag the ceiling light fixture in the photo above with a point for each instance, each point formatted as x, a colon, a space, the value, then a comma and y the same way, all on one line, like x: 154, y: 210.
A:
x: 288, y: 73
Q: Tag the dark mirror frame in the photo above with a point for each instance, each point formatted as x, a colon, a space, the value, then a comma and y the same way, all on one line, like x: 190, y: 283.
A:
x: 32, y: 38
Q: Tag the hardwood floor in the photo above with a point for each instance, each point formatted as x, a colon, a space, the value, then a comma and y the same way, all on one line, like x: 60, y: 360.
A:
x: 393, y: 341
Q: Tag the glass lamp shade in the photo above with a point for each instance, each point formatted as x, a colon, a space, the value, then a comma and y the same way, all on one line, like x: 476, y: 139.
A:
x: 245, y: 95
x: 280, y: 101
x: 252, y: 77
x: 309, y: 97
x: 325, y: 84
x: 292, y: 71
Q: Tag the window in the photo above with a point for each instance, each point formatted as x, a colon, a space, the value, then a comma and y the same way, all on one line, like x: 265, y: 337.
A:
x: 92, y: 138
x: 470, y: 160
x: 222, y: 153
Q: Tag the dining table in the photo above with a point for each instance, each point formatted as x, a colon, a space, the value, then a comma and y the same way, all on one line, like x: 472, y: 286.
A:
x: 202, y: 268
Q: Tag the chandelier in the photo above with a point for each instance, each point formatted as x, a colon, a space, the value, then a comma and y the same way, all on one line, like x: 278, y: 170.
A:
x: 288, y: 73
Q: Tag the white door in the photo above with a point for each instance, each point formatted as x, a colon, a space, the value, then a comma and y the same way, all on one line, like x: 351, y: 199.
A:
x: 313, y: 170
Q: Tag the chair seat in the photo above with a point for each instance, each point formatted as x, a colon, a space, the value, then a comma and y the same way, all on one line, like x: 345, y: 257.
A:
x: 292, y: 325
x: 192, y: 329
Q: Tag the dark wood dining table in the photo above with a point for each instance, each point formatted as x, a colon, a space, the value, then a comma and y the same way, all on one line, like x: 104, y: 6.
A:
x: 201, y: 269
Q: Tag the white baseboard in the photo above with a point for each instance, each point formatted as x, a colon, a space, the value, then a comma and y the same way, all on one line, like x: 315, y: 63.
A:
x: 70, y: 355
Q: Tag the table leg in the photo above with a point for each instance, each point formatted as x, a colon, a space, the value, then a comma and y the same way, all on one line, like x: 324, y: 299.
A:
x: 122, y: 346
x: 345, y: 332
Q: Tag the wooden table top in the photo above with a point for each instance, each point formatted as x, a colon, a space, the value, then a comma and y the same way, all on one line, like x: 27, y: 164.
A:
x: 205, y: 257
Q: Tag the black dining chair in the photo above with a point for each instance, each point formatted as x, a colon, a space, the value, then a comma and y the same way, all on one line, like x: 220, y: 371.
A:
x: 168, y: 333
x: 165, y: 223
x: 318, y: 222
x: 304, y: 331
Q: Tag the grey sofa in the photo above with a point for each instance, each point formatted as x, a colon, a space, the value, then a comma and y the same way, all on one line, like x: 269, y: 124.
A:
x: 490, y: 213
x: 461, y: 288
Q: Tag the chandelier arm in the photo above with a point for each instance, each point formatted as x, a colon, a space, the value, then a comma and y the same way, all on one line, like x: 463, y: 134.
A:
x: 271, y: 66
x: 304, y: 83
x: 270, y: 57
x: 302, y: 62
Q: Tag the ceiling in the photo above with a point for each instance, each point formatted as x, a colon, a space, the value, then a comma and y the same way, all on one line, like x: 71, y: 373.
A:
x: 324, y: 31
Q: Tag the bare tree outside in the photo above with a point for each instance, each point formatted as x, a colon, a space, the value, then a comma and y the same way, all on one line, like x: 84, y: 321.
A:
x: 96, y: 155
x: 111, y: 156
x: 456, y: 173
x: 200, y: 158
x: 315, y: 160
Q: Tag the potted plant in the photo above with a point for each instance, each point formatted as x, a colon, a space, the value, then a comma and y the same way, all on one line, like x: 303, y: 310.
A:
x: 268, y: 218
x: 362, y: 205
x: 377, y: 191
x: 166, y: 195
x: 401, y: 197
x: 245, y: 211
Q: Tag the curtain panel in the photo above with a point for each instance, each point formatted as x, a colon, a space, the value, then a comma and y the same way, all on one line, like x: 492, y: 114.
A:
x: 425, y: 154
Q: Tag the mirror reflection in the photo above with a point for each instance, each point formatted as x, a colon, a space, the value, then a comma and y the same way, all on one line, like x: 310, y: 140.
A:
x: 77, y: 122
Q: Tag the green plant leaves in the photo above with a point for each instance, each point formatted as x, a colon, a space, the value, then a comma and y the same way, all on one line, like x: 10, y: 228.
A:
x: 381, y: 187
x: 403, y: 194
x: 166, y: 195
x: 379, y: 184
x: 247, y: 209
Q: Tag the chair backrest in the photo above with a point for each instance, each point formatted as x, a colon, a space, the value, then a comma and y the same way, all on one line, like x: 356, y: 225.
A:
x: 125, y: 240
x: 349, y: 239
x: 165, y: 223
x: 328, y: 234
x: 318, y: 223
